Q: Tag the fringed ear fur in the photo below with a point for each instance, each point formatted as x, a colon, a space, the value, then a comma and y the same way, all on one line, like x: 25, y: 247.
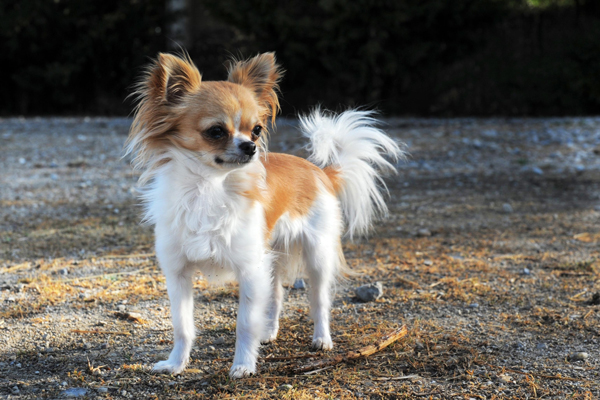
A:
x: 162, y: 88
x: 261, y: 74
x: 172, y: 77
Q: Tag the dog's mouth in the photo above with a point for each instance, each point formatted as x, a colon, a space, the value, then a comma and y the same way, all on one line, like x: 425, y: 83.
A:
x: 235, y: 160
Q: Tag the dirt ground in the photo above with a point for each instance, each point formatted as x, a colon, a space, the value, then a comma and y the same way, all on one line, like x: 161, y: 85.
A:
x: 489, y: 256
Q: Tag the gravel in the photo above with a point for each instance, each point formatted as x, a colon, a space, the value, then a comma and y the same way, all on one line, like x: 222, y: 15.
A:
x: 64, y: 179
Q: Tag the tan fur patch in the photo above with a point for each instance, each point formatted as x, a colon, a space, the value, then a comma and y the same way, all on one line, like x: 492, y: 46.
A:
x: 292, y: 187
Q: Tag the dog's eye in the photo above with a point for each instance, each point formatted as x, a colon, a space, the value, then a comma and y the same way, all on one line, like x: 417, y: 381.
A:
x: 216, y: 132
x: 256, y: 131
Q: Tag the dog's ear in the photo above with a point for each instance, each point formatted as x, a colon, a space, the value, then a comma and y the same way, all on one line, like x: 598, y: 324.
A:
x: 170, y: 78
x: 261, y: 74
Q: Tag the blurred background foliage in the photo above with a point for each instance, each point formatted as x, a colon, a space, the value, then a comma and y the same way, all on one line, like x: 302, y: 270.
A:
x: 418, y: 57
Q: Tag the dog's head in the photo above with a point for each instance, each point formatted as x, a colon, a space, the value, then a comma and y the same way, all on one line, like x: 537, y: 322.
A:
x: 221, y: 123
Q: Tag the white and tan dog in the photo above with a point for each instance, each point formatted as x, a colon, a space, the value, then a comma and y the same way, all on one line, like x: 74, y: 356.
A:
x: 222, y: 205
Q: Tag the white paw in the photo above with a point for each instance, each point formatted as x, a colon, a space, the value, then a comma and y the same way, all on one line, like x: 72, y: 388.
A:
x: 169, y: 367
x: 241, y: 370
x: 322, y: 343
x: 270, y: 336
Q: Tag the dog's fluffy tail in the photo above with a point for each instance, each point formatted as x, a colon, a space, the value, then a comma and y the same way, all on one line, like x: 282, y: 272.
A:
x: 350, y: 147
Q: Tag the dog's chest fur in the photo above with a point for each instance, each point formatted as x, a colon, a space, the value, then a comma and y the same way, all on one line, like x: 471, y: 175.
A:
x: 208, y: 218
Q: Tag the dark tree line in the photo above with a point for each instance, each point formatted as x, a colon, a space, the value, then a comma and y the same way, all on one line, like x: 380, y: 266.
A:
x: 432, y: 57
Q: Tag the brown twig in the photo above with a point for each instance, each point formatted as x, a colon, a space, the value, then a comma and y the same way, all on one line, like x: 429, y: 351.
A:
x: 352, y: 355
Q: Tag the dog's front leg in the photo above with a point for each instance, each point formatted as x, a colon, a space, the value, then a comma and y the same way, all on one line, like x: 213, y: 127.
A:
x: 255, y: 291
x: 180, y: 289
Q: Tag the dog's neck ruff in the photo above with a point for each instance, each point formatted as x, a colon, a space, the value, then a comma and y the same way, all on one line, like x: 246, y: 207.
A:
x: 201, y: 207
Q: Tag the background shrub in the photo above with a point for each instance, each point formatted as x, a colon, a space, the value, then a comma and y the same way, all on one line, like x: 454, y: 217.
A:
x: 432, y: 57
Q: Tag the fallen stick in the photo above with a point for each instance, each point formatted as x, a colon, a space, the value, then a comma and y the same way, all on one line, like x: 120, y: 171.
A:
x: 352, y: 355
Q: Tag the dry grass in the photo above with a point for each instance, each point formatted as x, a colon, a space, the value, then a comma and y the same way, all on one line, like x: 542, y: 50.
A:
x: 495, y: 303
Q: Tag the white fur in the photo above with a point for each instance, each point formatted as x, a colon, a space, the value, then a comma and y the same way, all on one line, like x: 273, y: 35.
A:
x: 351, y: 141
x: 203, y: 223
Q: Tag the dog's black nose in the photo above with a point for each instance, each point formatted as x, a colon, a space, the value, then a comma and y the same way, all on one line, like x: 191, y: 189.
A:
x: 249, y: 148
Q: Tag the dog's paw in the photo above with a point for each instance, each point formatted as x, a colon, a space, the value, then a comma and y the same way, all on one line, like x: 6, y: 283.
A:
x: 238, y: 371
x: 169, y: 367
x: 322, y: 343
x: 270, y: 336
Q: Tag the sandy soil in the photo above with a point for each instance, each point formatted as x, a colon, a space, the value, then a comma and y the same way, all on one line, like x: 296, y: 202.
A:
x: 488, y: 257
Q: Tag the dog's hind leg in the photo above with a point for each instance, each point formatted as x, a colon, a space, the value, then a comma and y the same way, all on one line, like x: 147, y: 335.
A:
x: 321, y: 267
x: 275, y: 307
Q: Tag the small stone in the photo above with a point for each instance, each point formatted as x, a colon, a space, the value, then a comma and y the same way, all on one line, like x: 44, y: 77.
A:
x: 22, y: 161
x: 286, y: 386
x: 63, y: 383
x: 595, y: 300
x: 10, y: 299
x: 18, y: 365
x: 219, y: 340
x: 505, y: 378
x: 419, y: 346
x: 474, y: 305
x: 369, y: 292
x: 74, y: 392
x: 64, y: 271
x: 102, y: 389
x: 520, y: 345
x: 541, y: 346
x: 507, y: 208
x: 299, y: 284
x: 428, y: 263
x: 15, y: 390
x: 526, y: 271
x: 121, y: 307
x: 123, y: 393
x: 423, y: 232
x: 211, y: 348
x: 579, y: 356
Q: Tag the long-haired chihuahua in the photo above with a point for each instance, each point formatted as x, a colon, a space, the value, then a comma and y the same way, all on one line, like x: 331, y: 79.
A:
x: 221, y: 204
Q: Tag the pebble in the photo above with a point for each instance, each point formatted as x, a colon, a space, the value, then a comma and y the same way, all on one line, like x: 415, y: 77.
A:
x: 102, y: 389
x: 15, y: 390
x: 64, y: 271
x: 507, y: 208
x: 423, y: 233
x: 505, y: 378
x: 121, y: 307
x: 370, y: 292
x: 219, y: 340
x: 74, y: 392
x: 299, y: 284
x: 428, y: 262
x: 474, y: 305
x: 541, y: 346
x: 579, y: 356
x: 520, y: 345
x: 286, y: 386
x: 526, y: 271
